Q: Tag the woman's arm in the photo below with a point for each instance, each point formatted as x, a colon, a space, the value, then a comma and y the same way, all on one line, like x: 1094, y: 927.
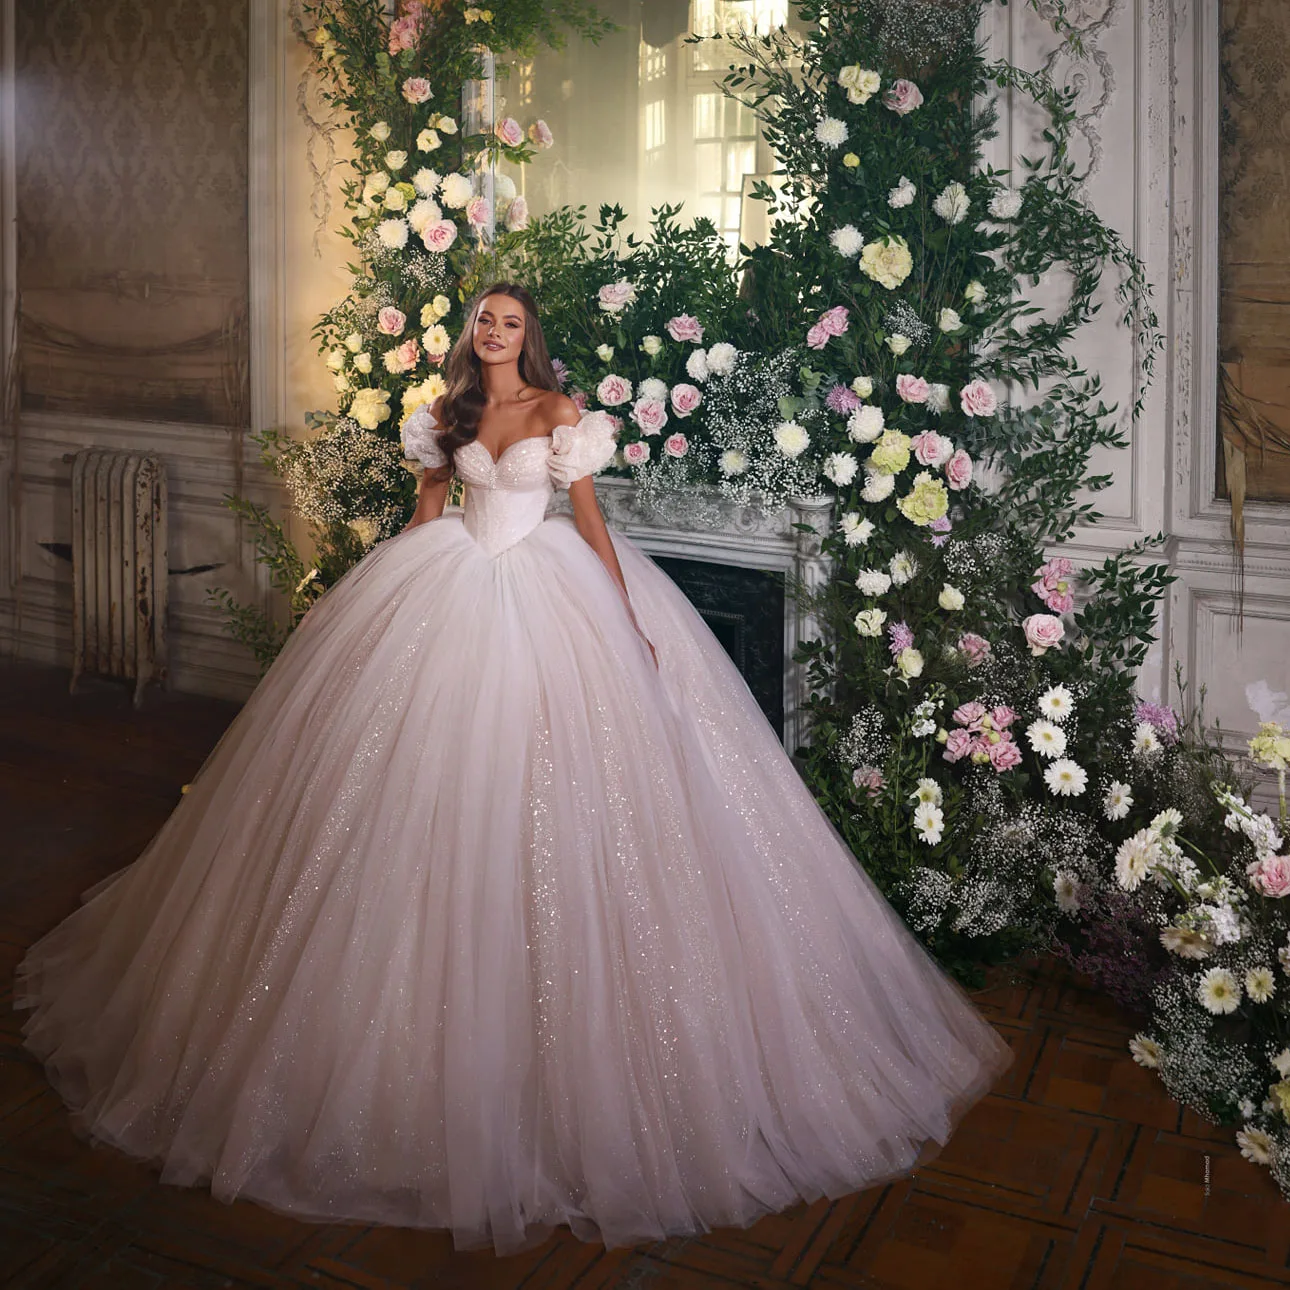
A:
x: 591, y: 524
x: 430, y: 501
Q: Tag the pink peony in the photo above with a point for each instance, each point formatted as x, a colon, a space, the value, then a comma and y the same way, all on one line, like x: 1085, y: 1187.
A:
x: 676, y: 445
x: 1270, y: 876
x: 836, y: 320
x: 540, y: 135
x: 613, y: 390
x: 868, y: 778
x: 902, y: 97
x: 1005, y: 754
x: 479, y: 212
x: 650, y: 415
x: 685, y: 327
x: 961, y: 743
x: 416, y: 89
x: 508, y: 132
x: 970, y: 714
x: 391, y: 321
x: 913, y: 389
x: 1043, y: 631
x: 439, y: 235
x: 930, y: 448
x: 517, y: 214
x: 958, y: 471
x: 1002, y: 716
x: 579, y: 400
x: 975, y: 649
x: 636, y: 454
x: 817, y: 337
x: 685, y: 398
x: 977, y: 399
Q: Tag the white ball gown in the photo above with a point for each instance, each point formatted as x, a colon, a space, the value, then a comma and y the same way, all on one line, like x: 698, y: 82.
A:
x: 475, y: 920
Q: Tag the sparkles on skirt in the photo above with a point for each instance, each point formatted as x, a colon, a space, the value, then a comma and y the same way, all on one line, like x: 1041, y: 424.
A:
x: 473, y: 920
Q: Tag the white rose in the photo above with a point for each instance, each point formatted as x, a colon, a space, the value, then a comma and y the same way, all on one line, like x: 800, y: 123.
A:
x: 380, y: 131
x: 396, y: 160
x: 363, y: 363
x: 949, y: 320
x: 950, y: 599
x: 395, y: 200
x: 974, y: 292
x: 336, y: 359
x: 353, y: 342
x: 862, y: 387
x: 651, y: 345
x: 447, y: 125
x: 604, y: 352
x: 869, y: 621
x: 898, y: 344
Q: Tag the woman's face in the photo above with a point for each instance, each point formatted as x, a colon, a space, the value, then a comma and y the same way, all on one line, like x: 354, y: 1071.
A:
x: 499, y: 330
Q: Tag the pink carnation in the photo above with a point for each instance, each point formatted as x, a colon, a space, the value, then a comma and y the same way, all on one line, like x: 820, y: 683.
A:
x: 1043, y: 631
x: 975, y: 649
x: 970, y: 714
x: 961, y: 743
x: 416, y: 89
x: 817, y: 337
x: 977, y: 399
x: 685, y: 398
x: 685, y: 327
x: 930, y: 448
x: 902, y: 97
x: 958, y: 471
x: 439, y: 235
x: 1270, y: 876
x: 913, y: 389
x: 1005, y: 754
x: 868, y: 778
x: 508, y: 132
x: 637, y: 453
x: 676, y: 445
x: 391, y: 321
x: 1002, y: 716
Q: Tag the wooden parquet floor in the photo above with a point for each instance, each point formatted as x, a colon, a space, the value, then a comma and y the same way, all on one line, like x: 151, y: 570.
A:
x: 1076, y: 1172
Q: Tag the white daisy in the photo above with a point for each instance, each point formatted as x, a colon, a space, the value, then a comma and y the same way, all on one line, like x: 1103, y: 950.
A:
x: 1057, y: 703
x: 1134, y: 859
x: 1118, y: 799
x: 1186, y: 942
x: 1046, y: 739
x: 1167, y: 823
x: 1146, y: 743
x: 1256, y: 1146
x: 928, y: 790
x: 1260, y: 984
x: 929, y: 820
x: 1066, y: 891
x: 1219, y: 992
x: 1146, y: 1052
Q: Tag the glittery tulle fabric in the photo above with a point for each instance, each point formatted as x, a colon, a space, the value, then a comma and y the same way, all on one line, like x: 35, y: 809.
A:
x: 474, y: 920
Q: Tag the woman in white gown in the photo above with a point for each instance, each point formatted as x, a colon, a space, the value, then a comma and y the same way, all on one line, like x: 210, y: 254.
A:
x: 499, y: 905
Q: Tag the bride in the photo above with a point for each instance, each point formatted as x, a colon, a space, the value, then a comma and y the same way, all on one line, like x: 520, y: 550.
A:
x: 499, y: 905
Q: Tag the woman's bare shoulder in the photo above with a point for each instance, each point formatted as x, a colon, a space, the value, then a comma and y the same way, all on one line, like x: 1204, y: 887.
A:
x: 556, y: 409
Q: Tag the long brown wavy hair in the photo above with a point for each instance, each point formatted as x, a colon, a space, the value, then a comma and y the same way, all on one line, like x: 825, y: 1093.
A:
x: 462, y: 403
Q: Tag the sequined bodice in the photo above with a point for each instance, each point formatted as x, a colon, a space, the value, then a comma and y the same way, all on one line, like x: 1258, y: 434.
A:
x: 507, y: 499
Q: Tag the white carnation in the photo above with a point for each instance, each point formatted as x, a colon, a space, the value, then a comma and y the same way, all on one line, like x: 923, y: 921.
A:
x: 938, y: 398
x: 903, y: 566
x: 841, y: 468
x: 873, y: 582
x: 721, y: 358
x: 696, y: 366
x: 952, y: 203
x: 866, y: 424
x: 902, y: 195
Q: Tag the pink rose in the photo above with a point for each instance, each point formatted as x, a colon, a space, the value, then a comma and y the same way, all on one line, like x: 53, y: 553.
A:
x: 478, y: 212
x: 613, y: 390
x: 405, y: 32
x: 1002, y: 716
x: 1270, y: 876
x: 517, y: 214
x: 685, y: 398
x: 540, y: 135
x: 391, y: 321
x: 685, y: 327
x: 868, y: 778
x: 961, y: 743
x: 836, y: 320
x: 650, y: 415
x: 676, y: 445
x: 616, y: 295
x: 930, y: 448
x: 1043, y: 631
x: 902, y: 97
x: 636, y: 454
x: 913, y: 389
x: 977, y: 399
x: 579, y: 400
x: 416, y: 89
x: 970, y: 714
x: 975, y: 649
x: 817, y: 337
x: 508, y: 132
x: 1053, y: 584
x: 958, y: 471
x: 1005, y: 754
x: 407, y: 354
x: 439, y: 235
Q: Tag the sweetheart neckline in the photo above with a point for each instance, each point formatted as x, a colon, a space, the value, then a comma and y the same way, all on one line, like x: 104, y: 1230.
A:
x: 497, y: 461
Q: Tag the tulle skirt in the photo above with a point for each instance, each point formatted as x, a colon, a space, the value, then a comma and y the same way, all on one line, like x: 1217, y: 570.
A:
x: 475, y: 920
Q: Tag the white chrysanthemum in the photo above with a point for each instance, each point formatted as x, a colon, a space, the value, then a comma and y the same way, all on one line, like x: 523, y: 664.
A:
x: 1006, y: 204
x: 1057, y: 703
x: 1256, y: 1146
x: 873, y: 582
x: 1047, y: 739
x: 929, y: 820
x: 869, y: 621
x: 903, y: 566
x: 928, y: 790
x: 902, y: 195
x: 456, y: 191
x: 1066, y: 778
x: 877, y: 488
x: 393, y: 233
x: 1066, y: 891
x: 952, y: 203
x: 1146, y: 743
x: 866, y: 424
x: 423, y: 213
x: 721, y: 358
x: 1146, y: 1052
x: 425, y: 181
x: 733, y: 462
x: 841, y: 468
x: 856, y: 531
x: 652, y: 388
x: 791, y: 439
x: 847, y: 241
x: 831, y: 132
x: 1118, y: 800
x: 696, y: 366
x: 1219, y: 991
x: 1260, y: 984
x: 938, y: 398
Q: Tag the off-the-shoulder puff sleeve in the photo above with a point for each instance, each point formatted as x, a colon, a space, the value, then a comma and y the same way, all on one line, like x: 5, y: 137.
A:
x: 584, y: 449
x: 421, y: 438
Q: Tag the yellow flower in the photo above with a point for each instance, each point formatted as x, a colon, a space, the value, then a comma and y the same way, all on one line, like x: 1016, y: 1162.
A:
x: 926, y: 501
x: 1271, y: 746
x: 429, y: 390
x: 851, y: 161
x: 370, y: 407
x: 887, y: 260
x: 1280, y: 1094
x: 891, y: 454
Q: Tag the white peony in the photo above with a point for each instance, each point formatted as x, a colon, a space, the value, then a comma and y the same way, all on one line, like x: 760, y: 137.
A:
x: 721, y: 358
x: 1065, y: 778
x: 791, y: 439
x: 847, y: 241
x: 733, y: 462
x: 877, y: 488
x: 855, y: 530
x: 1006, y: 204
x: 696, y: 366
x: 873, y: 582
x: 902, y: 195
x: 952, y: 203
x: 456, y: 191
x: 393, y: 233
x: 831, y: 132
x: 866, y: 424
x: 841, y: 468
x: 1118, y: 800
x: 1046, y: 739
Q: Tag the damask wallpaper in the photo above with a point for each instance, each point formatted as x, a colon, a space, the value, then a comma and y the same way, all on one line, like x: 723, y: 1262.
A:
x: 1254, y: 324
x: 132, y: 208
